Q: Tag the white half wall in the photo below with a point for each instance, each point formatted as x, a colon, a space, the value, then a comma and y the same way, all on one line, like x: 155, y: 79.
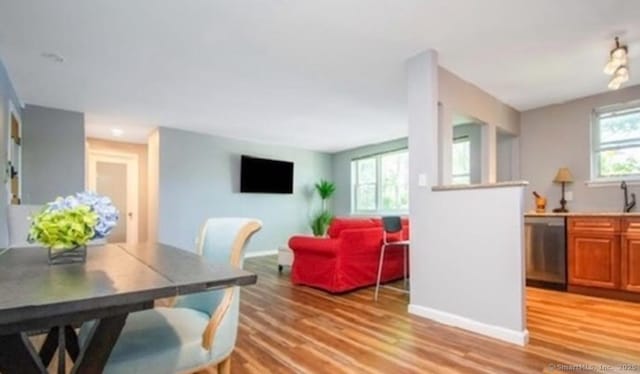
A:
x: 470, y: 275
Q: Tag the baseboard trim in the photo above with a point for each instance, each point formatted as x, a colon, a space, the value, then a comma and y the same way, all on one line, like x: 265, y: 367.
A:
x: 261, y: 253
x: 520, y: 338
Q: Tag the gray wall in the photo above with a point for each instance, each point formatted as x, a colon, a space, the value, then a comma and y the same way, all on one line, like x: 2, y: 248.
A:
x: 507, y: 157
x: 53, y: 153
x: 7, y: 96
x: 474, y: 132
x: 341, y: 166
x: 199, y: 177
x: 559, y: 135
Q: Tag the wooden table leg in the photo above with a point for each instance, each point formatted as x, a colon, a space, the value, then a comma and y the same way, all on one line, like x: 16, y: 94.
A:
x: 102, y: 338
x: 62, y: 351
x: 49, y: 346
x: 18, y: 355
x: 71, y: 340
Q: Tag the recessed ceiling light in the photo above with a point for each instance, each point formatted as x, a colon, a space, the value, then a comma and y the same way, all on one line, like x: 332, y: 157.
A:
x: 117, y: 132
x: 55, y: 57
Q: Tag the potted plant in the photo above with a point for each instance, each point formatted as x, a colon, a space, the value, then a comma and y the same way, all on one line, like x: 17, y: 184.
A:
x: 320, y: 222
x: 66, y: 225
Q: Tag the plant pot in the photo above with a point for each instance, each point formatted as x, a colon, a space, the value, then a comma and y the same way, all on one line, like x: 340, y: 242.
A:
x: 77, y: 255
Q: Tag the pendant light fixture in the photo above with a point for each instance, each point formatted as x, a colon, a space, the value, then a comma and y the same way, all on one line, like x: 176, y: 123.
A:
x: 618, y: 65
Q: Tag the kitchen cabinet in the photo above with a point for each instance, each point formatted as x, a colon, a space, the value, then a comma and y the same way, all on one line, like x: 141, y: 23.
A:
x: 603, y: 253
x: 630, y: 255
x: 593, y: 251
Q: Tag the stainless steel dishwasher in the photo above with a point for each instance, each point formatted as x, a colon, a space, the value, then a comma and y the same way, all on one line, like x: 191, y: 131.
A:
x: 546, y: 252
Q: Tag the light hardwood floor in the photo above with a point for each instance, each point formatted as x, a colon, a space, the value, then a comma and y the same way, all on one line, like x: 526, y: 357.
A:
x: 292, y: 329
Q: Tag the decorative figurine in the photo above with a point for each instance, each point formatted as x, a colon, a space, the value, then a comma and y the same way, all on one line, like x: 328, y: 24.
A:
x: 541, y: 202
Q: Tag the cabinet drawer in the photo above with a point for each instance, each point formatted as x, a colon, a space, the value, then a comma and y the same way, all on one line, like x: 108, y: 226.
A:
x: 595, y: 224
x: 631, y: 225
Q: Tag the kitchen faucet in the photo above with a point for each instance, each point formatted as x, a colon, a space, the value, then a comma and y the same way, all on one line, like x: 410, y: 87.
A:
x: 627, y: 205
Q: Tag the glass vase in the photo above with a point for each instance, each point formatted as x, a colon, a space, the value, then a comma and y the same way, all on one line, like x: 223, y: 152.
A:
x: 76, y: 255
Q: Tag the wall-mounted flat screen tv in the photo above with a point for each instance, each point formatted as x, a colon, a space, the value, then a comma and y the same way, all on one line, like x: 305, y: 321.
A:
x: 266, y: 176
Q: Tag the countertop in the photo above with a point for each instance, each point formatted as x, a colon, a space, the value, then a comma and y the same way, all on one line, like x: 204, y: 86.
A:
x: 457, y: 187
x: 570, y: 214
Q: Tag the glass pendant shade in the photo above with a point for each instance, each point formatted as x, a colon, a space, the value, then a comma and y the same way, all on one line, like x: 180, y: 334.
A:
x: 613, y: 64
x: 614, y: 83
x: 620, y: 76
x: 619, y: 53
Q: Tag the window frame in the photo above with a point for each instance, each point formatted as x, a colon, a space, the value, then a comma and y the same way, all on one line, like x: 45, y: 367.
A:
x: 596, y: 146
x: 378, y: 184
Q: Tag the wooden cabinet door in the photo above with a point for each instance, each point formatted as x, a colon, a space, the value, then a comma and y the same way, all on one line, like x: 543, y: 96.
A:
x: 594, y: 260
x: 630, y: 276
x: 630, y: 255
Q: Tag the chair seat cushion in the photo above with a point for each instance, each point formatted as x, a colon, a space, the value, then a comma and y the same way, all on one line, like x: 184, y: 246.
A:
x: 160, y: 340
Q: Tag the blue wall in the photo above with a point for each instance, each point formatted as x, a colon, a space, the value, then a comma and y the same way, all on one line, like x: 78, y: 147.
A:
x: 341, y: 166
x: 8, y: 99
x: 53, y: 152
x: 199, y: 177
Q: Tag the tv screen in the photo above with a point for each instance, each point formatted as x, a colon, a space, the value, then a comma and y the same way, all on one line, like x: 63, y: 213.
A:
x: 266, y: 176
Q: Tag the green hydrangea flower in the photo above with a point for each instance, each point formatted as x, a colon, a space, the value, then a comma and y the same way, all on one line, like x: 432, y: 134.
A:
x: 64, y: 229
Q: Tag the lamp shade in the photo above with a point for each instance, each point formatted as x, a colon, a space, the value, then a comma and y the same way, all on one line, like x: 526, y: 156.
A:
x: 563, y: 176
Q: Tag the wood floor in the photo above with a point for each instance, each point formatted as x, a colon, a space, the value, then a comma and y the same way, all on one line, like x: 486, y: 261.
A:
x: 292, y: 329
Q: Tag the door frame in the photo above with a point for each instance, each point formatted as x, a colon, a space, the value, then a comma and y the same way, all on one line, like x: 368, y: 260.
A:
x: 13, y: 113
x: 130, y: 160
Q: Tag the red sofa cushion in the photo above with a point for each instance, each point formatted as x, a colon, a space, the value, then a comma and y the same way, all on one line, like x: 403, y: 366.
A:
x: 339, y: 224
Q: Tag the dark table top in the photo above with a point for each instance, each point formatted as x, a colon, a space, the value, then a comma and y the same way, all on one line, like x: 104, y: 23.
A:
x: 113, y: 276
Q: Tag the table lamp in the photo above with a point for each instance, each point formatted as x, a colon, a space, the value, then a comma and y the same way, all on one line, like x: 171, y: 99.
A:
x: 563, y: 177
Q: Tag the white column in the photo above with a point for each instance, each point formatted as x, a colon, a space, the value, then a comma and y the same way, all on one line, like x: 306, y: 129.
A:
x: 446, y: 143
x: 423, y: 152
x: 489, y: 153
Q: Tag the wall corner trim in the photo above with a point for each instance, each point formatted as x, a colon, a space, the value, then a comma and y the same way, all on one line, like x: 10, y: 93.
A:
x: 520, y: 338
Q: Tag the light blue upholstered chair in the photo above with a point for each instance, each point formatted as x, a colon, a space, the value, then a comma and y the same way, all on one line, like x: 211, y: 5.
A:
x: 200, y: 330
x: 19, y: 224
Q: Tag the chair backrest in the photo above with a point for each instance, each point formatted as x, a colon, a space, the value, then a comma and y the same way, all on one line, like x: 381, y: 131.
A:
x: 392, y: 224
x: 222, y: 241
x: 19, y: 224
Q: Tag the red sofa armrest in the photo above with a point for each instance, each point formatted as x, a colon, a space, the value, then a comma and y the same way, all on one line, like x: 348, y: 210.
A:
x: 309, y: 244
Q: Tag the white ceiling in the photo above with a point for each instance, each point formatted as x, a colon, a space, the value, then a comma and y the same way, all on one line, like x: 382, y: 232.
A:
x: 324, y: 75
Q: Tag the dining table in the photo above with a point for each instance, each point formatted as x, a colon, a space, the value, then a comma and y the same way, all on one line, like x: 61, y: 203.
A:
x: 115, y: 280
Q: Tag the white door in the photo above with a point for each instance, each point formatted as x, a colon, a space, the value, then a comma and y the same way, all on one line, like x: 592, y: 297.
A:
x: 116, y: 176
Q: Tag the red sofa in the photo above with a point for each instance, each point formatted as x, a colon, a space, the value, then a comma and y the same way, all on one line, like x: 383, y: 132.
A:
x: 348, y: 258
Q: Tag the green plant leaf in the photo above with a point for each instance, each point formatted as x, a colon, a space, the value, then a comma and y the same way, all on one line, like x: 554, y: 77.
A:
x: 325, y: 189
x: 320, y: 223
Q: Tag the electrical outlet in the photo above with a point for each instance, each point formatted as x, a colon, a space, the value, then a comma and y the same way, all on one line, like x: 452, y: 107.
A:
x: 568, y: 195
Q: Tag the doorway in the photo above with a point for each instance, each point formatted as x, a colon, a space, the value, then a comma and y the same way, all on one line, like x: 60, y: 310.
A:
x: 116, y: 175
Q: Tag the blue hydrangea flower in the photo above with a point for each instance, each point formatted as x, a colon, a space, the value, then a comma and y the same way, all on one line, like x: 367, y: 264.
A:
x: 107, y: 213
x: 62, y: 203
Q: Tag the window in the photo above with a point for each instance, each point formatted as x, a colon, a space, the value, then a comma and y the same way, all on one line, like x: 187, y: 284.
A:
x: 461, y: 161
x: 616, y: 143
x: 381, y: 183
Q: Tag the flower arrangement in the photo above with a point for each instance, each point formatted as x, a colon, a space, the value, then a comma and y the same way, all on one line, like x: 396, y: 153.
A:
x: 73, y: 221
